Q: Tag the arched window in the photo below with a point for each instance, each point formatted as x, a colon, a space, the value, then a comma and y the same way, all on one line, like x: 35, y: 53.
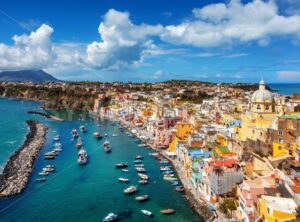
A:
x: 267, y: 107
x: 258, y: 107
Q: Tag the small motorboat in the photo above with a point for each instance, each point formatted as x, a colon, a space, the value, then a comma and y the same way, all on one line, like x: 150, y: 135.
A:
x: 143, y: 181
x: 83, y: 129
x: 82, y: 157
x: 57, y: 150
x: 114, y: 135
x: 168, y: 211
x: 50, y: 166
x: 106, y: 146
x: 179, y: 188
x: 124, y: 180
x: 44, y: 173
x: 139, y: 157
x: 79, y: 144
x: 142, y: 198
x: 42, y: 179
x: 106, y: 135
x: 74, y: 133
x: 56, y: 138
x: 125, y: 170
x: 121, y: 165
x: 110, y: 217
x: 175, y: 183
x: 146, y: 212
x: 46, y: 157
x: 97, y: 135
x: 143, y: 176
x: 130, y: 190
x: 137, y: 161
x: 140, y: 169
x: 170, y: 178
x: 139, y: 165
x: 48, y: 169
x: 165, y: 168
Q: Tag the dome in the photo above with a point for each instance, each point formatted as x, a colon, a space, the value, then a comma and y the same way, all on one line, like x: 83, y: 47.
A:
x: 262, y: 95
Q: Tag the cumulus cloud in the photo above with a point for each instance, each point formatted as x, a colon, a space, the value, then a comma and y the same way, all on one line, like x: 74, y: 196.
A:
x: 122, y: 43
x: 222, y: 24
x: 288, y: 75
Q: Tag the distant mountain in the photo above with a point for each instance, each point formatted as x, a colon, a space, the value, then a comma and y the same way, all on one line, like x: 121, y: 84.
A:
x: 26, y: 76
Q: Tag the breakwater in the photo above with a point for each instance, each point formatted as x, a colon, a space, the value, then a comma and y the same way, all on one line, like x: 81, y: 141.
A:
x: 46, y: 115
x: 19, y: 166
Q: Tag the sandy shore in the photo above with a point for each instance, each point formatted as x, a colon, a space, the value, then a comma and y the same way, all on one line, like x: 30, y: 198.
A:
x: 19, y: 166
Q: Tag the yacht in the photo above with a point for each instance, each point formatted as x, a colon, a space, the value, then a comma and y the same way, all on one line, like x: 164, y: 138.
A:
x: 142, y: 198
x: 146, y: 212
x: 130, y: 190
x: 82, y: 157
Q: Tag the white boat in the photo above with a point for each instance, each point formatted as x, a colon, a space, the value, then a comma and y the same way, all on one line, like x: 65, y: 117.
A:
x: 82, y: 157
x: 110, y: 217
x: 142, y: 198
x: 140, y: 169
x: 97, y: 135
x: 105, y: 134
x: 130, y: 190
x: 114, y: 135
x: 44, y: 173
x: 106, y: 146
x: 143, y: 176
x: 143, y: 181
x: 124, y: 180
x: 56, y: 138
x: 125, y: 170
x: 83, y: 129
x: 146, y: 212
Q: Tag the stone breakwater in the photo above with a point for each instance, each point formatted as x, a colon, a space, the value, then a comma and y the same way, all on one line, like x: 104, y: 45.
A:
x: 19, y: 166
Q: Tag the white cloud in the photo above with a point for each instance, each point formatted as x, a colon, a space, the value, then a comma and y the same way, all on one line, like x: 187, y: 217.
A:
x: 290, y: 75
x: 220, y: 24
x: 122, y: 43
x: 237, y: 76
x: 236, y: 55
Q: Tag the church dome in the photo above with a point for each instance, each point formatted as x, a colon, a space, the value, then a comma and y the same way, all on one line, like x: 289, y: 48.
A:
x: 262, y: 95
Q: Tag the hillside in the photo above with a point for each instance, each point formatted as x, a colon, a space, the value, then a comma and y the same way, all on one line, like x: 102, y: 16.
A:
x: 26, y: 76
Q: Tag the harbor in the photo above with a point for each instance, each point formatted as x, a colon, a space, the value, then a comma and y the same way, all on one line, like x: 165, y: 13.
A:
x: 90, y: 192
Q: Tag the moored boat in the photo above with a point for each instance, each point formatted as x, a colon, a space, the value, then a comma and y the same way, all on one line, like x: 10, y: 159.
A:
x: 143, y: 176
x: 82, y: 157
x: 139, y: 157
x: 44, y: 173
x: 140, y: 169
x: 56, y: 138
x: 143, y: 181
x: 130, y: 190
x: 41, y: 179
x: 83, y: 129
x: 125, y: 170
x: 146, y: 212
x: 168, y: 211
x: 110, y: 217
x: 179, y: 188
x: 124, y: 180
x: 97, y: 135
x: 142, y: 198
x: 137, y: 161
x: 106, y: 146
x: 121, y: 165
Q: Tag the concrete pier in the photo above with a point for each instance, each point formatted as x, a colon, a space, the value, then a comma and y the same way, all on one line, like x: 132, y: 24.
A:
x: 19, y: 166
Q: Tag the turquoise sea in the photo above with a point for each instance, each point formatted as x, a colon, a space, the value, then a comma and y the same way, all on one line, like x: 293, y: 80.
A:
x: 286, y: 88
x: 83, y: 193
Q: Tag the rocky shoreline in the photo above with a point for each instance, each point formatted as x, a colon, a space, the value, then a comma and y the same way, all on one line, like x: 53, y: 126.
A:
x: 19, y: 166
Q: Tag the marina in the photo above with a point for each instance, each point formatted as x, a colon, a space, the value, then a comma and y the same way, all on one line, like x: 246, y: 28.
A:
x: 71, y: 184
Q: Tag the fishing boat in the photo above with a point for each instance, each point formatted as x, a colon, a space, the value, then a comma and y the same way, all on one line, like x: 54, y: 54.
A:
x: 167, y: 211
x: 139, y: 157
x: 143, y: 176
x: 146, y: 212
x: 130, y: 190
x: 110, y: 217
x: 106, y: 146
x: 125, y: 170
x: 42, y: 179
x: 143, y: 181
x: 140, y: 169
x: 124, y: 180
x: 121, y: 165
x: 56, y: 138
x: 82, y: 157
x: 83, y: 129
x: 142, y: 198
x: 97, y: 135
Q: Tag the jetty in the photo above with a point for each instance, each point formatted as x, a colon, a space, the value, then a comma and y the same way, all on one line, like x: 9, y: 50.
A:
x: 19, y: 166
x: 46, y: 115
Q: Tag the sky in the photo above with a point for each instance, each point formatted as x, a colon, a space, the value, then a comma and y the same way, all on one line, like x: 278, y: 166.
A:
x: 153, y: 40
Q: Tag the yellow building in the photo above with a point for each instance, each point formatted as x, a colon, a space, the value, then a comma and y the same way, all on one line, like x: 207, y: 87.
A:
x: 260, y: 116
x: 279, y: 150
x: 172, y: 145
x: 183, y: 131
x: 276, y: 209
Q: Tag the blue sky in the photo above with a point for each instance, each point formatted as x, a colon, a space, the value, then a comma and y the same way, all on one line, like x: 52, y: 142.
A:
x: 134, y: 40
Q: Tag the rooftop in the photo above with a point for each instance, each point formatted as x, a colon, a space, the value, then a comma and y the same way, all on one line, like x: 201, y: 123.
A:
x: 287, y: 205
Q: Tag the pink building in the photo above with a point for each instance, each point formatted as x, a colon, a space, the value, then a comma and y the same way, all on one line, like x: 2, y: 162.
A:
x: 161, y: 139
x: 170, y: 122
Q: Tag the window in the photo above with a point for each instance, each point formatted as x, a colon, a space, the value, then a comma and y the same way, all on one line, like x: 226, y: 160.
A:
x: 267, y: 107
x: 280, y: 132
x: 258, y: 107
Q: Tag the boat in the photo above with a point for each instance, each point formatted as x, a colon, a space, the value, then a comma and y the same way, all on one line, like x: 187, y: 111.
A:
x: 179, y: 188
x: 137, y: 161
x: 44, y: 173
x: 146, y: 212
x: 49, y: 169
x: 130, y: 190
x: 124, y: 180
x: 83, y: 129
x: 170, y: 178
x: 139, y: 157
x: 140, y: 169
x: 143, y: 176
x: 114, y: 135
x: 142, y: 145
x: 74, y: 133
x: 106, y: 135
x: 51, y: 153
x: 42, y: 179
x: 56, y: 138
x: 143, y: 181
x: 79, y: 144
x: 165, y: 168
x: 139, y: 165
x: 168, y: 211
x: 142, y: 198
x: 57, y: 145
x: 106, y: 146
x: 125, y: 170
x: 110, y: 217
x: 82, y: 157
x: 57, y: 150
x: 97, y: 135
x: 46, y: 157
x: 121, y: 165
x: 175, y: 183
